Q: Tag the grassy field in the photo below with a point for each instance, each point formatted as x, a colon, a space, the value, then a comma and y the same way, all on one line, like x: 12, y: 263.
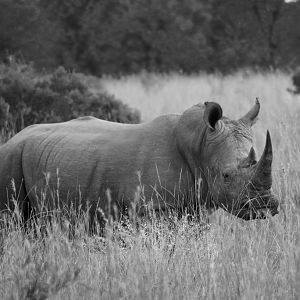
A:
x: 226, y: 259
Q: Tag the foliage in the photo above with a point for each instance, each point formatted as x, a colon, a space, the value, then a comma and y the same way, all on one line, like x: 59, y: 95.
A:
x: 26, y: 32
x: 145, y: 35
x: 124, y: 37
x: 28, y: 97
x: 296, y: 81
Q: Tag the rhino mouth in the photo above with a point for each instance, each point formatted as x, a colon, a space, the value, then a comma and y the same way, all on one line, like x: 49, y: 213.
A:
x: 255, y: 209
x: 260, y: 213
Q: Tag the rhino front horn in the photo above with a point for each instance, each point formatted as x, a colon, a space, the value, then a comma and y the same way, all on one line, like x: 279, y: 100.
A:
x: 251, y: 117
x: 263, y: 173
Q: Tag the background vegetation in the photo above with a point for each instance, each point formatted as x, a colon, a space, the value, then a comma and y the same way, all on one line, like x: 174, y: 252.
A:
x: 29, y: 97
x: 121, y: 37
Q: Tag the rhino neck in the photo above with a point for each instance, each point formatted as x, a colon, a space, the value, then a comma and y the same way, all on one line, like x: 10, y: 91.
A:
x: 190, y: 135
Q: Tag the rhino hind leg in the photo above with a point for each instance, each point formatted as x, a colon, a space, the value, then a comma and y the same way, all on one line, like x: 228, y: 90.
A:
x: 25, y: 207
x: 17, y: 204
x: 28, y: 212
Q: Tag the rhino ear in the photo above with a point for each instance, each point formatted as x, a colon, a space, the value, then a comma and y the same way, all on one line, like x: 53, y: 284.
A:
x: 212, y: 114
x: 251, y: 117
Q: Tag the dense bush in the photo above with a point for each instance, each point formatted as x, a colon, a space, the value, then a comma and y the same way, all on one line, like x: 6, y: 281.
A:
x: 122, y: 37
x: 27, y: 97
x: 296, y: 81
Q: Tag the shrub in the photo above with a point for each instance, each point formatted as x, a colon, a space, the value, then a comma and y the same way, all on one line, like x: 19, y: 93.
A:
x: 296, y: 81
x: 28, y: 97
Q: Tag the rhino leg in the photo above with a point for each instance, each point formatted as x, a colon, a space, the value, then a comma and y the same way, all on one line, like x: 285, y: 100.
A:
x: 13, y: 194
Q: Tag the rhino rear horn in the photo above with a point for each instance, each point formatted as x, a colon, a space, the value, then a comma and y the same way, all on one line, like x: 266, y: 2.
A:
x: 213, y: 113
x: 250, y: 160
x: 251, y: 117
x: 263, y: 174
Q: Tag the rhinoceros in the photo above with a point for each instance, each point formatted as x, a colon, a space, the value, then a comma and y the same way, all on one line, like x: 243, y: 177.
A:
x: 195, y: 159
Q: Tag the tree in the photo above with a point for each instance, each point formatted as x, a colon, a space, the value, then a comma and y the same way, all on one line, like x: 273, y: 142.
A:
x: 234, y: 36
x: 153, y: 35
x: 67, y: 15
x: 268, y: 13
x: 127, y: 36
x: 26, y: 32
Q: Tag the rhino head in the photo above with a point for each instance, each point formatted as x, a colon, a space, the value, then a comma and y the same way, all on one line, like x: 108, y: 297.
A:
x: 238, y: 182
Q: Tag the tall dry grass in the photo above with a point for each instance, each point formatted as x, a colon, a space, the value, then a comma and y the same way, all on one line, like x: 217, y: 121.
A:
x: 228, y: 259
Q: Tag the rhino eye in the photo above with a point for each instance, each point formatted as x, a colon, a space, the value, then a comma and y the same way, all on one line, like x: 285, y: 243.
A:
x: 226, y: 176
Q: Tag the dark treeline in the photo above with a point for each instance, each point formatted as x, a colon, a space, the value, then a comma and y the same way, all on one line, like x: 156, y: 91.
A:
x: 127, y: 36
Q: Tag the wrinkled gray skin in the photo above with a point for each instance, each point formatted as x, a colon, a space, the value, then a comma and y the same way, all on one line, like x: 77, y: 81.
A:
x: 83, y: 158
